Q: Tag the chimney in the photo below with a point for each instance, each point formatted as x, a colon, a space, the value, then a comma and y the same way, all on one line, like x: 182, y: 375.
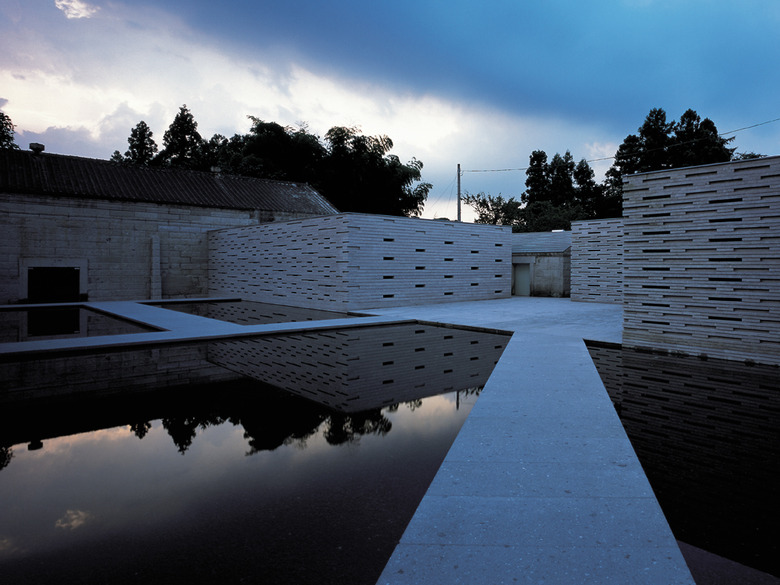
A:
x: 37, y: 148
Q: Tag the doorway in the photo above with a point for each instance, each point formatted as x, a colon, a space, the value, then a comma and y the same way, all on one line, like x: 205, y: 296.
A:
x: 521, y: 280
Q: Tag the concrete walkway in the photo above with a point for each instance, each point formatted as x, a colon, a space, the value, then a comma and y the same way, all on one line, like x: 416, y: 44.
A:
x: 173, y: 327
x: 542, y: 484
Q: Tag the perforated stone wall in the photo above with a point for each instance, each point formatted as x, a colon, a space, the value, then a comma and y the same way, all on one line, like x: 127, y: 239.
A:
x: 597, y: 260
x: 701, y: 264
x: 356, y: 261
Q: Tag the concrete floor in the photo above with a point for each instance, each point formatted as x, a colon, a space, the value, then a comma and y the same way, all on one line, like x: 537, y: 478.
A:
x: 542, y: 484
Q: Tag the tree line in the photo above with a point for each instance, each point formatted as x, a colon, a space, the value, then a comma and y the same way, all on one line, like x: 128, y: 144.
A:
x: 559, y: 191
x: 357, y: 172
x: 353, y: 171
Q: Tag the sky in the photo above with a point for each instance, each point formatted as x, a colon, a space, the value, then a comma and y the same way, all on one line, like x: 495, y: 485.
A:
x: 477, y: 83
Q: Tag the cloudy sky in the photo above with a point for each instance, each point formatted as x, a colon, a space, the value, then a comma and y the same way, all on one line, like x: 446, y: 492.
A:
x: 480, y: 83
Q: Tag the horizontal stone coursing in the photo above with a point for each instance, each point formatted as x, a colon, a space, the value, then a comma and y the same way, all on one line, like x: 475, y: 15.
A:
x: 597, y: 261
x: 355, y: 261
x: 702, y: 260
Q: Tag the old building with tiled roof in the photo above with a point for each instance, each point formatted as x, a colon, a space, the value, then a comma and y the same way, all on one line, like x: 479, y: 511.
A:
x: 73, y: 228
x: 541, y: 264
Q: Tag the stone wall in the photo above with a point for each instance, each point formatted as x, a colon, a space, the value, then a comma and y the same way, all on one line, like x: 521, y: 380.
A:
x: 701, y: 264
x: 597, y: 260
x: 550, y: 273
x: 354, y: 261
x: 122, y: 250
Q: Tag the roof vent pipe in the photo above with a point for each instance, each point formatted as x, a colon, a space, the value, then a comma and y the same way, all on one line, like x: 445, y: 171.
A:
x: 37, y: 148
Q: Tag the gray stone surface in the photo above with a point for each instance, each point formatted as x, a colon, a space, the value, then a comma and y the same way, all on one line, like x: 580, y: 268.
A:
x: 541, y: 484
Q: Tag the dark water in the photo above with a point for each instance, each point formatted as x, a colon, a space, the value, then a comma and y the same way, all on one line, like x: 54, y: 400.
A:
x: 30, y: 324
x: 234, y: 489
x: 707, y: 433
x: 250, y: 312
x: 173, y: 465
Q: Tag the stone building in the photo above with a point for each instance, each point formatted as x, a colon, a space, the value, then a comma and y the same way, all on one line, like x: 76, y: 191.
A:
x: 74, y: 228
x: 541, y: 264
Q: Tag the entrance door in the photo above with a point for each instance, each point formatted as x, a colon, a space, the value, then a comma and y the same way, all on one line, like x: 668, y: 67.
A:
x: 521, y: 280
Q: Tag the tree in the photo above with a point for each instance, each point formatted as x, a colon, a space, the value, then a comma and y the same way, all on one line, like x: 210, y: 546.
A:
x: 182, y: 143
x: 273, y: 151
x: 360, y: 175
x: 561, y: 174
x: 7, y: 133
x: 353, y: 171
x: 667, y: 145
x: 494, y: 210
x: 655, y: 141
x: 559, y: 192
x: 537, y: 180
x: 142, y: 146
x: 696, y: 142
x: 543, y: 216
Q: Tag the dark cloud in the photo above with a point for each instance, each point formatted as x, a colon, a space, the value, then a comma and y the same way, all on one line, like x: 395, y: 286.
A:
x: 608, y: 61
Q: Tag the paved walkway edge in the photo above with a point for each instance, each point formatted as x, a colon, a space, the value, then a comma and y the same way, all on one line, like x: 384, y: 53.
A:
x: 542, y: 484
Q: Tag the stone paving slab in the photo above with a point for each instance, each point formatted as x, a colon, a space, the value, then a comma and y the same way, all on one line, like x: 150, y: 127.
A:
x: 542, y: 484
x: 175, y: 327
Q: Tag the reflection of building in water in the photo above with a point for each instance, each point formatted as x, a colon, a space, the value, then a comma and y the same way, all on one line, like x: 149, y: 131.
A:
x: 707, y: 433
x: 109, y: 372
x: 251, y: 313
x: 364, y: 368
x: 30, y: 324
x: 349, y: 369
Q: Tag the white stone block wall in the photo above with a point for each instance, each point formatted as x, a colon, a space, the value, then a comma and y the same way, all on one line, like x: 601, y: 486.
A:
x: 701, y: 261
x: 597, y: 260
x: 299, y: 263
x: 356, y: 261
x: 123, y: 250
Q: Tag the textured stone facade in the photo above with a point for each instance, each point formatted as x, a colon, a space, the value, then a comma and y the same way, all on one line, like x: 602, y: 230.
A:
x: 597, y: 260
x: 701, y: 261
x: 123, y: 250
x: 354, y: 261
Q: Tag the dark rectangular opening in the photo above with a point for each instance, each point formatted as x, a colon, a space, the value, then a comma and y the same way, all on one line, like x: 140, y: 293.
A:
x: 53, y: 284
x: 53, y: 322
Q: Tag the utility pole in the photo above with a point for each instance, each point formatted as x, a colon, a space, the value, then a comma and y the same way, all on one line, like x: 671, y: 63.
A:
x: 458, y: 191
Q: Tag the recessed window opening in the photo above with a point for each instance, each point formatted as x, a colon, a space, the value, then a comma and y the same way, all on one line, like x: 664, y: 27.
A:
x: 53, y: 284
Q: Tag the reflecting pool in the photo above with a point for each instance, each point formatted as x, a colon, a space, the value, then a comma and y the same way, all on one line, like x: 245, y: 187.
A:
x: 60, y: 322
x: 707, y: 433
x: 250, y: 312
x: 199, y: 470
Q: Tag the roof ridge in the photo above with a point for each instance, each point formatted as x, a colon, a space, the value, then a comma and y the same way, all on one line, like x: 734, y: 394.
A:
x: 61, y: 175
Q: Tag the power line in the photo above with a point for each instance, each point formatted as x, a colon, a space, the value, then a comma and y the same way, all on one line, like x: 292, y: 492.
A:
x: 722, y: 134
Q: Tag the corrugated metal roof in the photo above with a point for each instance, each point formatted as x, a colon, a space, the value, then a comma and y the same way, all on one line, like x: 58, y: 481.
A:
x: 25, y: 172
x: 540, y: 242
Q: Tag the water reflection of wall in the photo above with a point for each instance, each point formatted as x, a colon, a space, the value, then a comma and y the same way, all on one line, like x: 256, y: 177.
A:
x: 252, y: 313
x: 107, y: 372
x: 364, y: 368
x: 708, y: 435
x: 26, y: 324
